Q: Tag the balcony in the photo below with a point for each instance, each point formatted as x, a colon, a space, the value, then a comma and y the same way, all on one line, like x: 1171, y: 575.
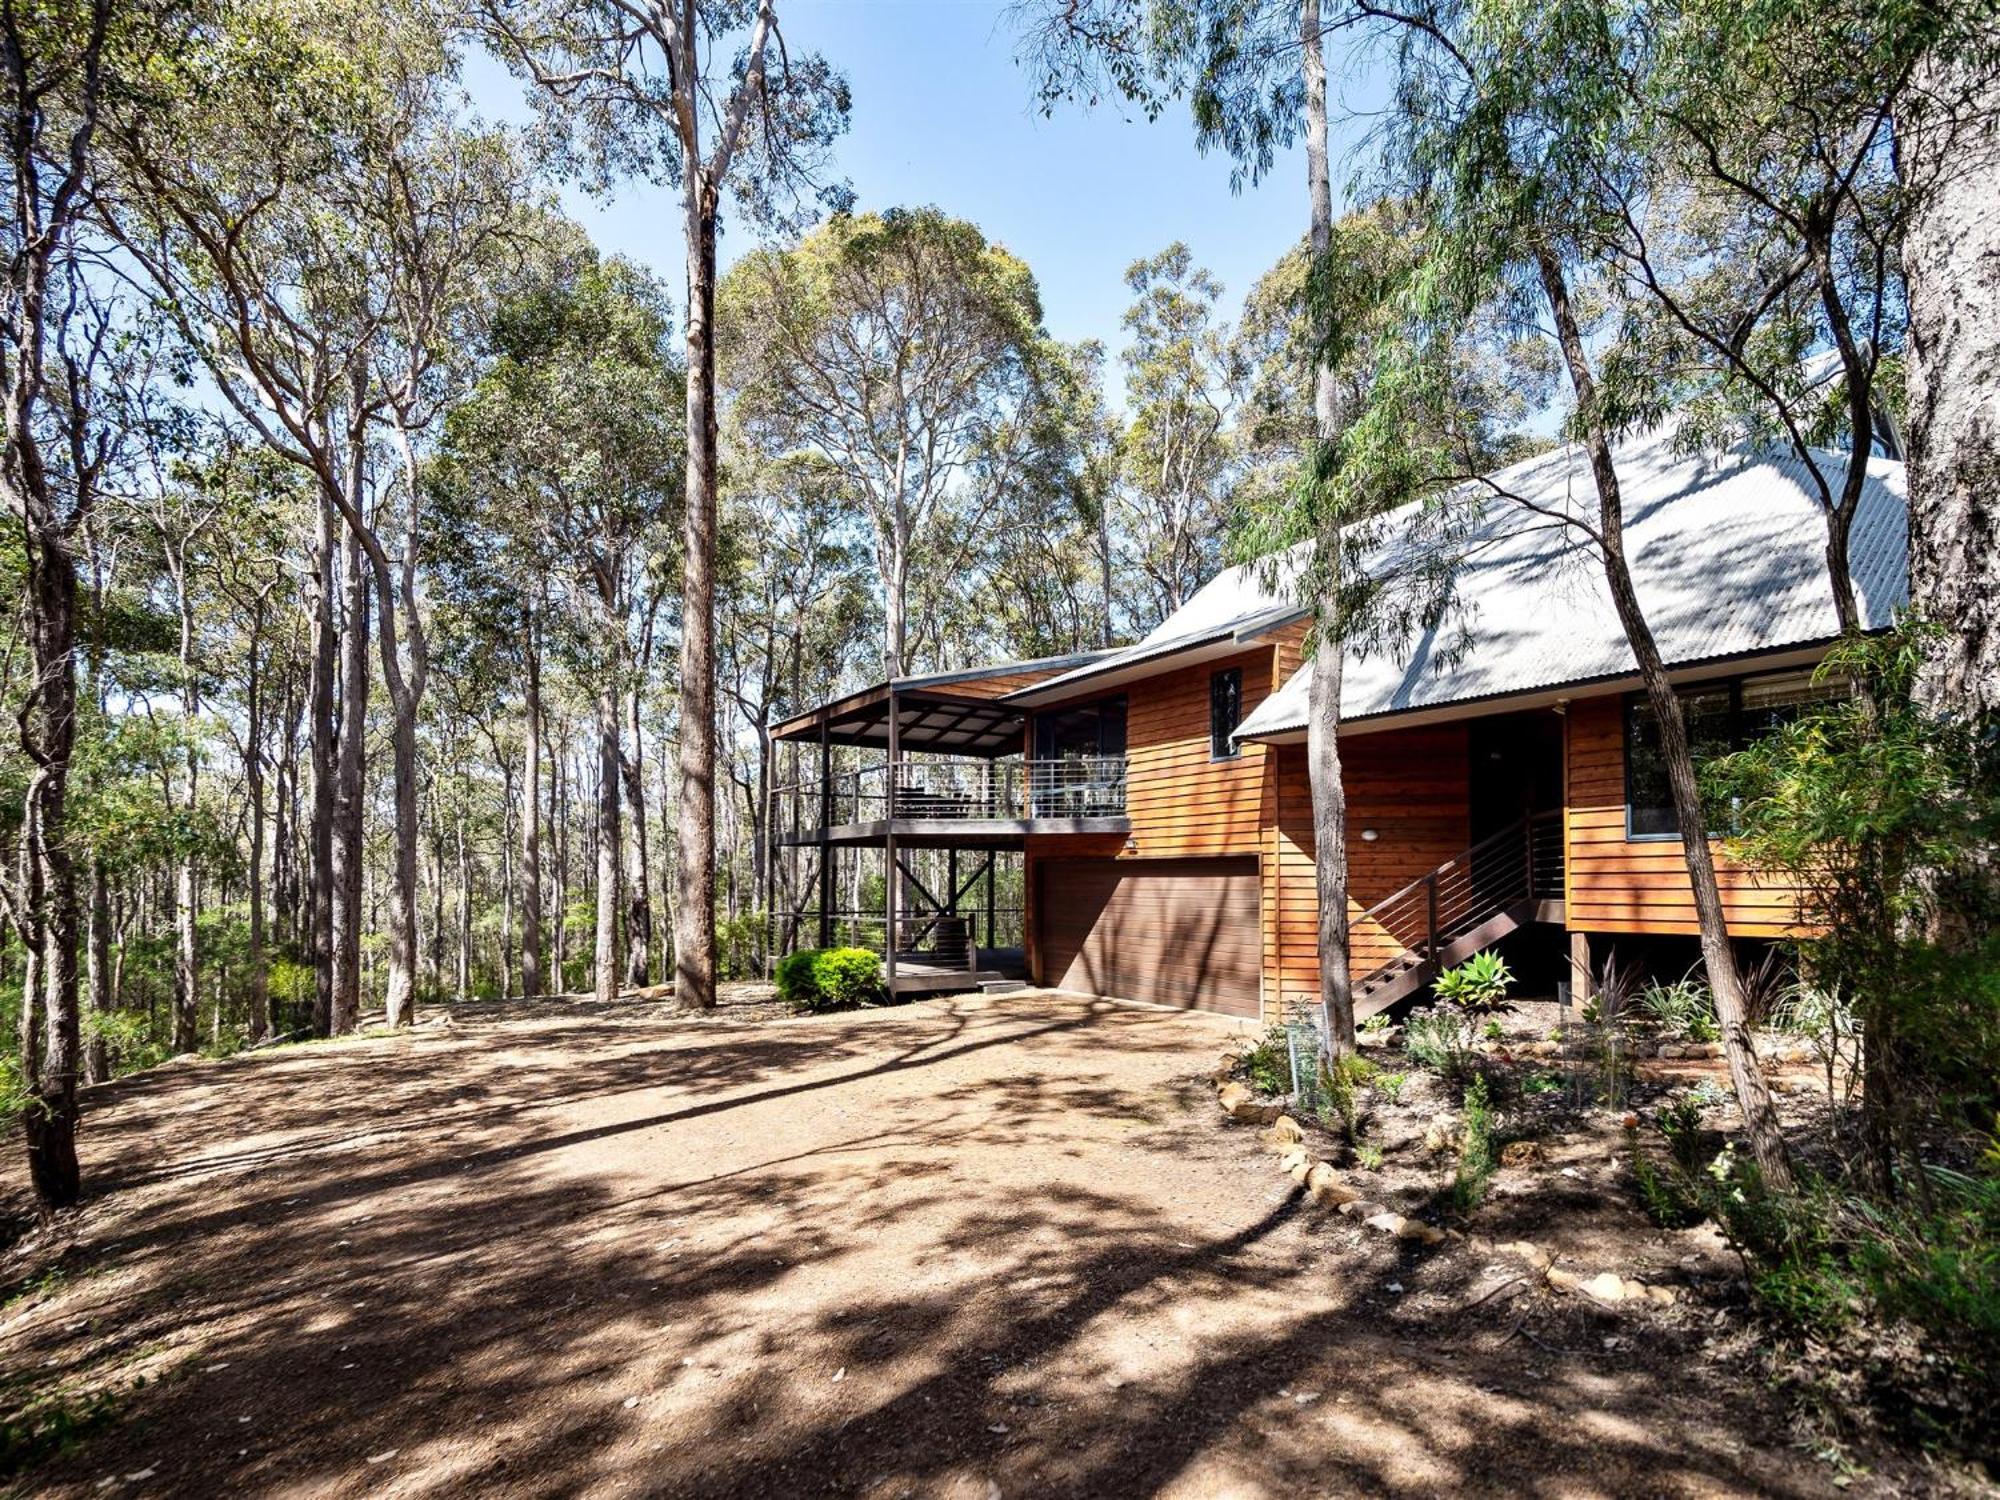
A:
x: 961, y: 802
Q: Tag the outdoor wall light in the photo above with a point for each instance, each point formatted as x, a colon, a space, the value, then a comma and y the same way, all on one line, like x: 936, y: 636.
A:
x: 1369, y: 835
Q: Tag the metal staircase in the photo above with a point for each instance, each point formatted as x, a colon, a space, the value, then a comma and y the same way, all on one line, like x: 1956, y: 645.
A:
x: 1467, y: 903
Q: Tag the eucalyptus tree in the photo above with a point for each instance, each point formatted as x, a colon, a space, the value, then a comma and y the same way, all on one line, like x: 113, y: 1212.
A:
x: 1253, y: 75
x: 705, y: 94
x: 63, y: 68
x: 1179, y: 446
x: 561, y: 472
x: 904, y: 348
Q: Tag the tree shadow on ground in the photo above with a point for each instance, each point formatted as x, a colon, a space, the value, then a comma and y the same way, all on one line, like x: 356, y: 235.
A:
x: 937, y: 1248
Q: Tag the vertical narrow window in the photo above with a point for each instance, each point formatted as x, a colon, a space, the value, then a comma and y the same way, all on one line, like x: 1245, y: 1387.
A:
x: 1225, y: 712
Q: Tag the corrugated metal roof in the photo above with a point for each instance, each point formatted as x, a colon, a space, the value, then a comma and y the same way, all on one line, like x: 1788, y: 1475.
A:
x: 1237, y: 601
x: 1727, y: 553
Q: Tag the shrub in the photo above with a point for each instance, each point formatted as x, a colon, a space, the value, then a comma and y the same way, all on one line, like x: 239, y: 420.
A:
x: 1478, y: 986
x: 796, y: 985
x: 1475, y: 1149
x: 1339, y: 1083
x: 821, y: 979
x: 847, y: 976
x: 1269, y: 1063
x: 1439, y: 1039
x: 1682, y: 1009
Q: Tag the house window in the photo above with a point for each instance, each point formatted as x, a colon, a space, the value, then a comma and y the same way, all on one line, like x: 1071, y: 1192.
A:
x: 1225, y: 712
x: 1721, y: 717
x: 1070, y: 733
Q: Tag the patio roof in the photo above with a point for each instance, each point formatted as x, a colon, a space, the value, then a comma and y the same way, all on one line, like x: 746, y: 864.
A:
x: 955, y: 713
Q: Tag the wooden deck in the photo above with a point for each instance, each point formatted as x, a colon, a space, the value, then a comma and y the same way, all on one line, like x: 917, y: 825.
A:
x: 921, y: 974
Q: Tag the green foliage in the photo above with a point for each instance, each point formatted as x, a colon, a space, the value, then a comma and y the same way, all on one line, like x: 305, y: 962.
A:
x: 1682, y: 1009
x: 1340, y: 1081
x: 824, y: 979
x: 1390, y: 1086
x: 1368, y: 1157
x: 1880, y: 815
x: 1476, y: 1155
x: 128, y: 1038
x: 1440, y: 1038
x: 794, y: 976
x: 1269, y: 1063
x: 1478, y: 986
x: 50, y: 1424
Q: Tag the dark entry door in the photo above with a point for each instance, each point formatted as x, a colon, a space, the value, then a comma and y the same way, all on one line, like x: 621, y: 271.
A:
x: 1516, y: 768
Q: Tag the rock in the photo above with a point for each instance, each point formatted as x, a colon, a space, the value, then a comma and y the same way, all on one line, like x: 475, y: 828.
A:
x: 1630, y: 1121
x: 1422, y: 1233
x: 1362, y: 1209
x: 1285, y: 1132
x: 1704, y: 1049
x: 1635, y: 1291
x: 1293, y: 1159
x: 1672, y: 1051
x: 1665, y: 1296
x: 1326, y: 1187
x: 1241, y: 1105
x: 1387, y: 1222
x: 1568, y: 1281
x: 1533, y: 1254
x: 1521, y: 1153
x: 1606, y: 1286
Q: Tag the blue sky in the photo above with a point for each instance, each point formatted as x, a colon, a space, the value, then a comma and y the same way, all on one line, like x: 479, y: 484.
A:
x: 943, y: 115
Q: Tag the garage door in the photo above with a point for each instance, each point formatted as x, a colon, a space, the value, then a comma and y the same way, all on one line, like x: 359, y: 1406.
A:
x: 1175, y: 932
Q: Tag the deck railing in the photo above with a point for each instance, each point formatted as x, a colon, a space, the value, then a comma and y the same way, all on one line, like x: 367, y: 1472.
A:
x: 1523, y: 861
x: 950, y: 938
x: 1084, y: 786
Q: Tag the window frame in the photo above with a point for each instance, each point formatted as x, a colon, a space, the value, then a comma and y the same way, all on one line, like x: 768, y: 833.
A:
x: 1737, y: 739
x: 1231, y: 749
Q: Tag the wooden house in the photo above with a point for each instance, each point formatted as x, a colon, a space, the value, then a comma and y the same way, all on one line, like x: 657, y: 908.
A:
x: 1138, y: 822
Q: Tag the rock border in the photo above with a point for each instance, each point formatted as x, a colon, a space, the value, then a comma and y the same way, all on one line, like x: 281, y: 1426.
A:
x: 1286, y: 1137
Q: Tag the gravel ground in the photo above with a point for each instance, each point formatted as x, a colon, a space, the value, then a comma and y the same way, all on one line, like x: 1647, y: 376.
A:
x: 966, y: 1247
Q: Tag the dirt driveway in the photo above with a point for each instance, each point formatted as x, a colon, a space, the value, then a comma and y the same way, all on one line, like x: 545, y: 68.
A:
x: 968, y: 1247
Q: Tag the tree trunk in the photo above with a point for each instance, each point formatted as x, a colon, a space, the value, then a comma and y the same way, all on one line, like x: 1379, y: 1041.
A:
x: 638, y: 895
x: 609, y: 851
x: 464, y: 976
x: 1951, y: 256
x: 694, y: 865
x: 187, y: 957
x: 98, y: 970
x: 263, y: 1022
x: 1323, y: 770
x: 49, y: 1127
x: 401, y: 999
x: 532, y: 980
x: 347, y: 808
x: 1760, y: 1117
x: 320, y: 876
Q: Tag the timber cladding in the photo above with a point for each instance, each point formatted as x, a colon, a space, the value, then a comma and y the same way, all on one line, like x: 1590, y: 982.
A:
x: 1620, y: 884
x: 1173, y: 931
x: 1411, y: 787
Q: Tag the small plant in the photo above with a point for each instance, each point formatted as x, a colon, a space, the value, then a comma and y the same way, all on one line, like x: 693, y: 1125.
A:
x: 1339, y: 1083
x: 1478, y: 986
x: 1390, y: 1086
x: 1682, y: 1009
x: 1541, y: 1083
x: 1375, y: 1025
x: 1269, y: 1063
x: 1493, y: 1032
x: 1368, y: 1157
x: 1475, y: 1149
x: 1439, y: 1039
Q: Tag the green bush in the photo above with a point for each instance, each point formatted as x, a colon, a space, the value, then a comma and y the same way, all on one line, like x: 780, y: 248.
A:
x: 847, y: 976
x: 1340, y: 1082
x: 796, y: 985
x: 820, y: 979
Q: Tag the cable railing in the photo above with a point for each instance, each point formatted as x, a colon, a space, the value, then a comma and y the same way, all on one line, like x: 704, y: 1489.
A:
x: 1082, y: 786
x: 945, y: 939
x: 1523, y: 861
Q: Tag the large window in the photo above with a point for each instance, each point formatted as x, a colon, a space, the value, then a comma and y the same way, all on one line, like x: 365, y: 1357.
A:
x: 1090, y: 729
x: 1721, y: 717
x: 1225, y: 712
